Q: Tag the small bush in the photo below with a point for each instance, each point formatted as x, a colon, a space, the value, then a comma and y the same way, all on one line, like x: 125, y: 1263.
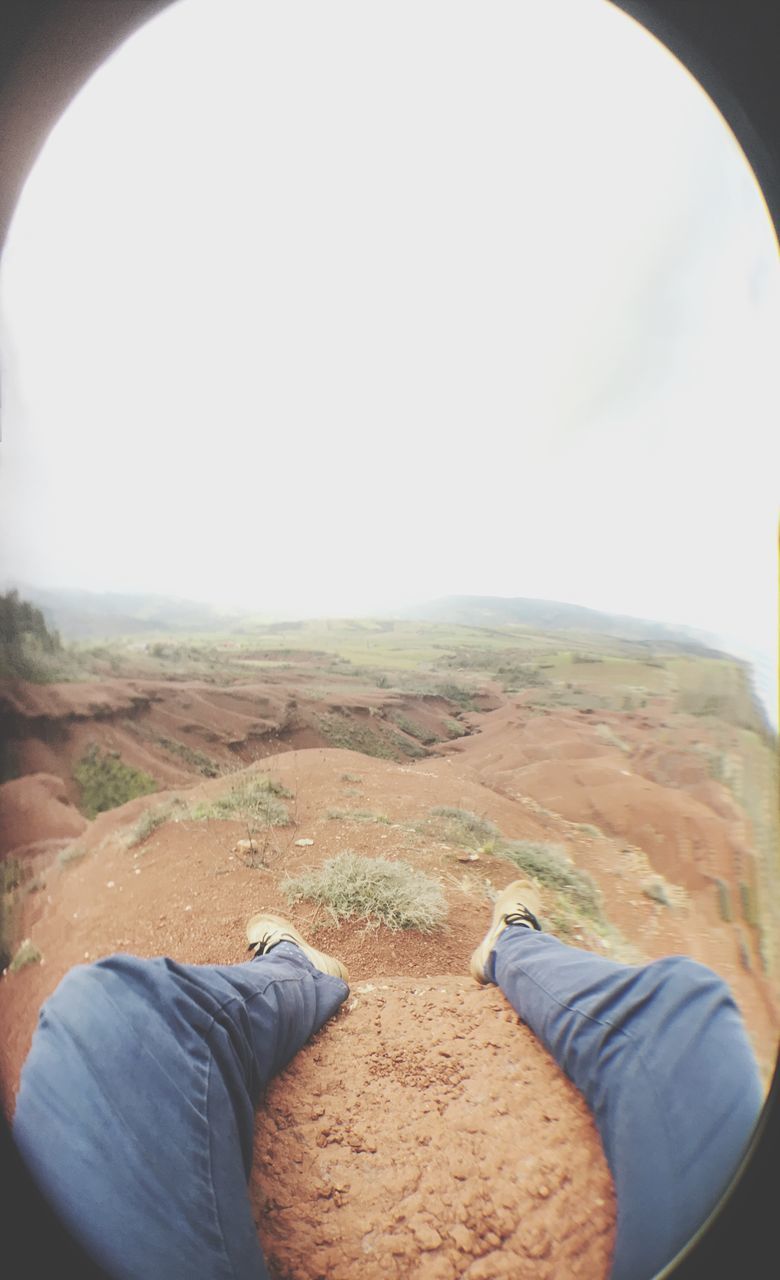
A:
x: 414, y: 729
x: 611, y: 738
x: 747, y: 902
x: 460, y: 826
x: 724, y: 901
x: 74, y: 853
x: 351, y: 777
x: 357, y: 815
x: 341, y: 731
x: 196, y: 759
x: 455, y: 729
x: 458, y: 693
x: 11, y: 875
x: 378, y: 889
x: 411, y: 749
x: 549, y: 865
x: 655, y: 889
x: 254, y: 799
x: 27, y: 954
x: 107, y: 782
x: 146, y: 824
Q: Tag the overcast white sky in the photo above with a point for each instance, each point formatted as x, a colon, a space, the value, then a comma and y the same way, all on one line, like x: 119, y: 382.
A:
x: 337, y: 306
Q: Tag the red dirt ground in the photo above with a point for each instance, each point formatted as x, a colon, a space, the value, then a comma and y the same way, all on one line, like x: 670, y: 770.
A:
x: 450, y: 1145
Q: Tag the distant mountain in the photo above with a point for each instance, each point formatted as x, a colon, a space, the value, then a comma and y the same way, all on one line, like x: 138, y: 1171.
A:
x: 81, y: 615
x: 553, y: 615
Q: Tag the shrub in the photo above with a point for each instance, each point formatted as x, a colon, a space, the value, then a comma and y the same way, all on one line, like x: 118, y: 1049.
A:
x: 455, y: 729
x: 414, y: 729
x: 27, y: 954
x: 609, y: 736
x: 255, y: 799
x: 74, y: 853
x: 747, y: 902
x: 378, y: 889
x: 458, y: 693
x: 724, y: 901
x: 357, y: 815
x: 25, y: 640
x: 744, y: 949
x: 549, y: 865
x: 146, y: 824
x: 407, y: 748
x: 107, y: 782
x: 11, y: 875
x: 196, y: 759
x: 655, y: 889
x: 341, y: 731
x: 460, y: 826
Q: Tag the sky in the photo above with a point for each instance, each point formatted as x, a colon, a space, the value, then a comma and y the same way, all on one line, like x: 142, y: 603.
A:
x: 330, y: 308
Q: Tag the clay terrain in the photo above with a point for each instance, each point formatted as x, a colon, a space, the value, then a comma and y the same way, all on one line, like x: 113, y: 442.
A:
x: 424, y: 1132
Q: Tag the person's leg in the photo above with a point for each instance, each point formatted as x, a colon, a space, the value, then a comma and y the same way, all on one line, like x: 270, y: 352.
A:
x: 662, y: 1058
x: 136, y: 1104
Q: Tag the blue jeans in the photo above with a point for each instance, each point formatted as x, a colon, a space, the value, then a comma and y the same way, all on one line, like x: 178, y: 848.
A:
x: 135, y: 1108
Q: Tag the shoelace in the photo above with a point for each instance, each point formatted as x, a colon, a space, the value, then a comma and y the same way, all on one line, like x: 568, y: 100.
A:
x: 523, y: 917
x: 267, y: 941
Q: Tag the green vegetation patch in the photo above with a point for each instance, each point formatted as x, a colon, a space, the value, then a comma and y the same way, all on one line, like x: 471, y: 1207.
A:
x: 147, y: 823
x: 357, y: 815
x: 460, y: 826
x: 655, y: 888
x: 724, y: 901
x: 747, y: 902
x: 376, y: 889
x: 28, y: 649
x: 27, y: 954
x: 459, y: 693
x: 107, y: 782
x: 609, y: 736
x: 196, y: 759
x: 549, y: 865
x: 73, y: 854
x: 414, y: 729
x: 340, y: 731
x: 254, y: 799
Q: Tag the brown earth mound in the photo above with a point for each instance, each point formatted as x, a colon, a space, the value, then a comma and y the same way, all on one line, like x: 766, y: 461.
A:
x: 36, y: 808
x: 451, y: 1147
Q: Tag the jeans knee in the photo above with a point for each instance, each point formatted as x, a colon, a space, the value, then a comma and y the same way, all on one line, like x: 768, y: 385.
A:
x: 684, y: 977
x: 78, y: 984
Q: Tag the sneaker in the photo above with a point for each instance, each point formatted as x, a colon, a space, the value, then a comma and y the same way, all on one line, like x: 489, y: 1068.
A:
x: 264, y: 932
x: 516, y: 905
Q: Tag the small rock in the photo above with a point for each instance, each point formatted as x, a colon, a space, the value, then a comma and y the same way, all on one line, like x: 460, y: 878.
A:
x: 463, y: 1238
x: 302, y: 843
x: 468, y: 857
x: 426, y: 1235
x: 188, y: 908
x: 109, y: 884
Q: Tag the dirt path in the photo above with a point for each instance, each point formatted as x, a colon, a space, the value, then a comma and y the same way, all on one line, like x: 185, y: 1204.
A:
x: 426, y: 1135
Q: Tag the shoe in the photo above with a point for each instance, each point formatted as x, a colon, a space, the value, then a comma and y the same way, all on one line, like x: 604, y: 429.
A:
x: 516, y: 905
x: 264, y: 932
